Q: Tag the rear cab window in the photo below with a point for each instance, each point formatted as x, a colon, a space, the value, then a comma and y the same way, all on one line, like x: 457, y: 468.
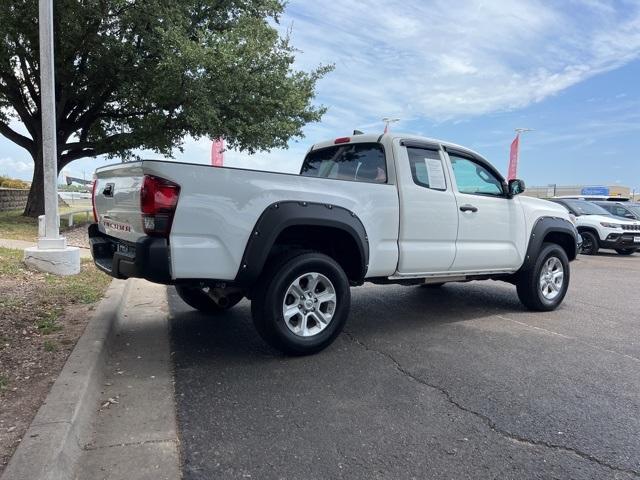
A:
x: 356, y: 162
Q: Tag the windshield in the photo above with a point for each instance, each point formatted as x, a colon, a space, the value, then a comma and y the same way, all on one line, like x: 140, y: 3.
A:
x: 635, y: 209
x: 582, y: 207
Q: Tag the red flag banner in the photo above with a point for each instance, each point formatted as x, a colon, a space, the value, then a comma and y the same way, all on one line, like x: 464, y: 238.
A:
x: 217, y: 150
x: 513, y: 158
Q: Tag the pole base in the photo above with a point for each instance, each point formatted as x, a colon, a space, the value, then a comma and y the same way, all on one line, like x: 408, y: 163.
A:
x: 59, y: 261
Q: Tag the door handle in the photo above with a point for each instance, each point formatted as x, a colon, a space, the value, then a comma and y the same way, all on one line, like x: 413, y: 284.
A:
x: 468, y: 208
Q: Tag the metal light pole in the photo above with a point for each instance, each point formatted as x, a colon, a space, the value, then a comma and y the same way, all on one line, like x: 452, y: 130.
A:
x: 51, y: 254
x: 52, y: 237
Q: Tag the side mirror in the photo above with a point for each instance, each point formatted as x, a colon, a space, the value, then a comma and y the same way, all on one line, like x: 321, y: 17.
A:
x: 516, y: 187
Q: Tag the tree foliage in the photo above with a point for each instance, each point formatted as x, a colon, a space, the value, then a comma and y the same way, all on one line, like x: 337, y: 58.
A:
x: 143, y: 74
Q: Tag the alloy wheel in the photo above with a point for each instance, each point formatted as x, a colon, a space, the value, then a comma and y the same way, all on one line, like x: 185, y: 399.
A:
x: 551, y: 278
x: 309, y: 304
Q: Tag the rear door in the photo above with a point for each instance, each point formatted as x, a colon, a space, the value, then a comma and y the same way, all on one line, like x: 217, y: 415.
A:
x: 428, y: 212
x: 117, y: 201
x: 491, y: 231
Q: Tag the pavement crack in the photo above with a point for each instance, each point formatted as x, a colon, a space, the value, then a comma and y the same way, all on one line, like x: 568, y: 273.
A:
x: 487, y: 420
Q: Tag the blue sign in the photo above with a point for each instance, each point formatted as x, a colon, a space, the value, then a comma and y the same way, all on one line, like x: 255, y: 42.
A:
x: 595, y: 191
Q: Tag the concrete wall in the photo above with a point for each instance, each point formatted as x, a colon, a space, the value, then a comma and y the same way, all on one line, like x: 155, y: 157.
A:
x: 13, y: 199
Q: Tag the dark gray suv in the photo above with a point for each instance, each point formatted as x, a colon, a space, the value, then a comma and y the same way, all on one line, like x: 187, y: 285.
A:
x: 628, y: 210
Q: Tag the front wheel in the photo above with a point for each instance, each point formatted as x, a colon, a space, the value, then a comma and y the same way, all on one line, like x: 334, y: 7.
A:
x: 544, y: 286
x: 301, y: 303
x: 589, y: 244
x: 626, y: 251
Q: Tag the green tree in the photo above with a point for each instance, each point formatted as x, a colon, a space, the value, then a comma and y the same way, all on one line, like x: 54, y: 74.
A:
x: 136, y: 74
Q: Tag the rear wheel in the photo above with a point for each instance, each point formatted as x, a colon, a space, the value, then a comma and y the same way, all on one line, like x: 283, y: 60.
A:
x: 208, y: 300
x: 589, y: 244
x: 301, y: 303
x: 626, y: 251
x: 544, y: 286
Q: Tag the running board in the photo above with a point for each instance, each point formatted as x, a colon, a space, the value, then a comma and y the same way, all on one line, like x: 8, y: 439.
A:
x: 451, y: 277
x: 431, y: 280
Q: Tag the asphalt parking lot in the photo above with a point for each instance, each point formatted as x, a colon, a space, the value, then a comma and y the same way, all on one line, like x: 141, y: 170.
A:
x: 458, y: 382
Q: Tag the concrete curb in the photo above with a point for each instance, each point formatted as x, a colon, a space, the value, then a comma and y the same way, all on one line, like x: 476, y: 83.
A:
x: 52, y: 445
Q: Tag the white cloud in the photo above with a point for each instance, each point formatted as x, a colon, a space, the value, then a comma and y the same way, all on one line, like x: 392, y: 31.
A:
x: 12, y: 167
x: 434, y: 60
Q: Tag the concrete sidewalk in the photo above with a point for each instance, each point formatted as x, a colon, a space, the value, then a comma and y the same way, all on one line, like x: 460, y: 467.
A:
x: 21, y: 245
x: 111, y: 412
x: 135, y: 434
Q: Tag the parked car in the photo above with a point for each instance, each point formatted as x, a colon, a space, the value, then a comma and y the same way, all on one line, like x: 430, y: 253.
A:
x: 596, y: 198
x: 378, y: 208
x: 627, y: 210
x: 600, y: 229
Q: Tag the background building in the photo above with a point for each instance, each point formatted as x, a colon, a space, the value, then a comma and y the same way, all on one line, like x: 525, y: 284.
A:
x: 554, y: 190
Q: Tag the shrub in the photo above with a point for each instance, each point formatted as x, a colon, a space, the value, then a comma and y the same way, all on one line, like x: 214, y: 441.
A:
x: 7, y: 182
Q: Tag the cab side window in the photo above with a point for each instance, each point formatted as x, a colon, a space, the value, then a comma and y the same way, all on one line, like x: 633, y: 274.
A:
x: 426, y: 168
x: 473, y: 178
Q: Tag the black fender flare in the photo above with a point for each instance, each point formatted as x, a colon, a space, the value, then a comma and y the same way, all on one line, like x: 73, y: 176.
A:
x: 281, y: 215
x: 543, y: 227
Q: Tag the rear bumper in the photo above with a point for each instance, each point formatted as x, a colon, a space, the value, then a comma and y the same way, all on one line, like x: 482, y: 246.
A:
x: 148, y: 258
x: 621, y: 240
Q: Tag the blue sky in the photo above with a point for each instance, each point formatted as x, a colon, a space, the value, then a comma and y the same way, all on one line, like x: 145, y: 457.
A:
x: 568, y: 69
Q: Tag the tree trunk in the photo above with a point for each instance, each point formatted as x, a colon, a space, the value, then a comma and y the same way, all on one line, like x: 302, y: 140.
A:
x: 35, y: 202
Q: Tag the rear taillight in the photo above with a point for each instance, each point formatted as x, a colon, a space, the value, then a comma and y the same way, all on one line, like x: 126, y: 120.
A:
x: 158, y: 200
x: 93, y: 199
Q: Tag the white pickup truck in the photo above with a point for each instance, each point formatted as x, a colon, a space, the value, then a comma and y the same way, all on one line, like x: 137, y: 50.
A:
x: 377, y: 208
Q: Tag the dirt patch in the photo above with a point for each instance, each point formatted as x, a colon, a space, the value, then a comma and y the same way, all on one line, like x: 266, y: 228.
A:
x: 77, y: 236
x: 41, y: 318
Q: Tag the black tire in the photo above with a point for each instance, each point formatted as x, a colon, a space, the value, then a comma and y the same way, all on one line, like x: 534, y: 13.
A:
x: 270, y: 295
x: 626, y: 251
x: 528, y: 283
x: 197, y: 298
x: 590, y: 244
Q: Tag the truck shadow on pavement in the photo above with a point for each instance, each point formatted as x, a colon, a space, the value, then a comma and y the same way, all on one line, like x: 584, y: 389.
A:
x: 376, y: 310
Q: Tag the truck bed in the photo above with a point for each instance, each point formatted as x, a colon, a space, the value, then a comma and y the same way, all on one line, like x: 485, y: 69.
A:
x: 218, y: 208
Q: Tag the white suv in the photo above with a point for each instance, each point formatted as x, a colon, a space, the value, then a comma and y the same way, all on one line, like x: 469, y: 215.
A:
x: 601, y: 229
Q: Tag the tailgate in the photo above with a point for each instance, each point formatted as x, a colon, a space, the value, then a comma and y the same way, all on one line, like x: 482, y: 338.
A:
x: 117, y: 200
